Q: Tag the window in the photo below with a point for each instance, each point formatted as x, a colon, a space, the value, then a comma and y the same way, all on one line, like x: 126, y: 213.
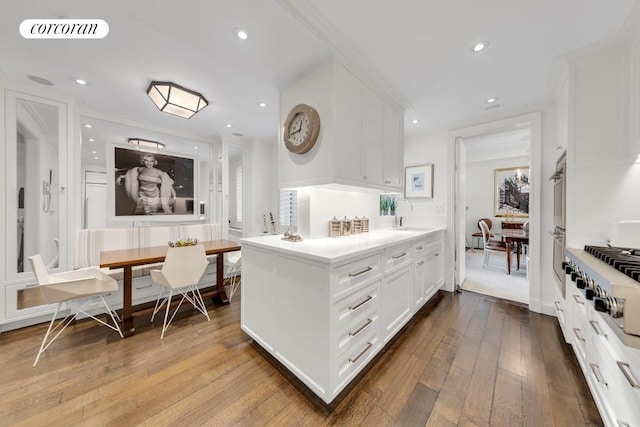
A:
x: 239, y: 193
x: 289, y: 209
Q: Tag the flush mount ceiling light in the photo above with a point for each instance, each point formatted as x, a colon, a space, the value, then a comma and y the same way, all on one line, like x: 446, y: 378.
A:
x: 415, y: 121
x: 479, y: 46
x: 491, y: 100
x: 146, y: 143
x: 177, y: 100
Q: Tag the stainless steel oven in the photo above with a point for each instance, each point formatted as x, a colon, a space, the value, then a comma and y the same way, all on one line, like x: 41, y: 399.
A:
x: 559, y: 257
x: 559, y: 192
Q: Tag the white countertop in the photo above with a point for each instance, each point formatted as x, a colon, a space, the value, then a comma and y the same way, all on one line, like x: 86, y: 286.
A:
x: 337, y: 249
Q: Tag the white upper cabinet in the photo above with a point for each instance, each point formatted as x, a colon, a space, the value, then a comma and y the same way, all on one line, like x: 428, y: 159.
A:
x: 360, y: 141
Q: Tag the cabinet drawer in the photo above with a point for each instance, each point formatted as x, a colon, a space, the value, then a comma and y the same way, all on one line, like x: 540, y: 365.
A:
x: 355, y: 305
x: 354, y: 274
x: 348, y: 364
x: 352, y: 336
x: 19, y: 304
x: 396, y: 257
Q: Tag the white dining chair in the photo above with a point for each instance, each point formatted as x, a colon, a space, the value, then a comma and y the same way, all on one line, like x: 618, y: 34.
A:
x: 78, y: 289
x: 491, y: 246
x: 233, y: 263
x: 182, y: 269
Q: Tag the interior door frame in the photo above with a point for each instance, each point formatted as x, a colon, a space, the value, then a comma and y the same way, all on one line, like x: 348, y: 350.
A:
x: 533, y: 121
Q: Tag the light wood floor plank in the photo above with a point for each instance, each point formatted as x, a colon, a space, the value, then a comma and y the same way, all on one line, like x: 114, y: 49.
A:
x: 466, y: 359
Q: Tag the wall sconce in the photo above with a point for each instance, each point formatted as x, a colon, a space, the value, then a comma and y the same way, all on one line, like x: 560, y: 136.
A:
x: 177, y: 100
x: 146, y: 143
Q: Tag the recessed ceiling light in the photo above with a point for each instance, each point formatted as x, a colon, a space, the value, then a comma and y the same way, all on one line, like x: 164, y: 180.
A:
x: 91, y: 140
x: 262, y: 104
x: 195, y: 148
x: 491, y: 100
x: 228, y: 125
x: 96, y: 157
x: 415, y: 121
x: 240, y: 33
x: 94, y: 152
x: 479, y: 46
x: 81, y: 82
x: 88, y: 126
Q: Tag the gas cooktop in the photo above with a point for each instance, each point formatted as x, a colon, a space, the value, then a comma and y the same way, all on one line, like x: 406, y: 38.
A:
x: 625, y: 260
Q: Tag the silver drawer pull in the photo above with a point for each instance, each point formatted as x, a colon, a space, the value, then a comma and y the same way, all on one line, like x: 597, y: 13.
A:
x: 403, y: 254
x: 557, y: 303
x: 143, y: 287
x: 357, y: 306
x: 596, y: 327
x: 626, y: 370
x: 437, y: 254
x: 577, y: 298
x: 366, y: 270
x: 596, y: 372
x: 355, y: 359
x: 357, y: 331
x: 419, y: 248
x: 34, y: 285
x: 420, y: 262
x: 576, y: 331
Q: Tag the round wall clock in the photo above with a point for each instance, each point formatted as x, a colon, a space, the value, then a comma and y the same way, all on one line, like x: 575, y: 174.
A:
x: 301, y: 129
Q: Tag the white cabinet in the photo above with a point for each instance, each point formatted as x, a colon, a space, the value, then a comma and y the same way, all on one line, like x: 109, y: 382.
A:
x: 324, y: 320
x: 613, y: 374
x: 393, y: 148
x: 17, y: 308
x: 428, y: 270
x: 360, y: 141
x: 396, y: 307
x: 372, y: 135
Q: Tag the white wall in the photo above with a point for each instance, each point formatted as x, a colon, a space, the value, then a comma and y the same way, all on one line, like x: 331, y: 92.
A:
x: 480, y: 190
x: 262, y: 185
x: 602, y: 177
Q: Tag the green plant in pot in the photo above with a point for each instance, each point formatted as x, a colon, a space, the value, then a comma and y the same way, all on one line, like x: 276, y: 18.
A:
x: 393, y: 205
x: 384, y: 204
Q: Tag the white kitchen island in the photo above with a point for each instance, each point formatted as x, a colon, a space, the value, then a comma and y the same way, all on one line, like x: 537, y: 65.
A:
x: 325, y: 307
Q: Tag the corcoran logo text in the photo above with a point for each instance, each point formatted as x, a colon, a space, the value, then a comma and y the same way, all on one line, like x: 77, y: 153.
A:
x: 64, y: 29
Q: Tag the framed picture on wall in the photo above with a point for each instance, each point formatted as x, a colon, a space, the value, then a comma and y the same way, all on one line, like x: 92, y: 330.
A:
x: 418, y: 181
x: 511, y: 195
x: 150, y: 183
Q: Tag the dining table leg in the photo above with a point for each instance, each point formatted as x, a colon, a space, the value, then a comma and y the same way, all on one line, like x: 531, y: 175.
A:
x: 508, y: 257
x: 221, y: 296
x: 518, y: 248
x: 128, y: 327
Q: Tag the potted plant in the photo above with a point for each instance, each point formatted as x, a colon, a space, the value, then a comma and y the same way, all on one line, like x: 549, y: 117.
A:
x: 384, y: 204
x: 393, y: 204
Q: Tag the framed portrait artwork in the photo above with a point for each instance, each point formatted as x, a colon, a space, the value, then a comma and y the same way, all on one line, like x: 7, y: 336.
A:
x: 150, y: 183
x: 418, y: 181
x: 512, y: 192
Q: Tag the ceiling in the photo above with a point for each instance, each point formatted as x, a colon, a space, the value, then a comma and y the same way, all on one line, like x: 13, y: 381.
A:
x: 418, y: 50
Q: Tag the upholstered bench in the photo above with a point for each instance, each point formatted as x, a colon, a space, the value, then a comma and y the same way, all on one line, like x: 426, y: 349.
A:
x: 90, y: 243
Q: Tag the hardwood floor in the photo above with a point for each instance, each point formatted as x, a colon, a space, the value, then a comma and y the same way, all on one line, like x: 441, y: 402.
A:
x: 466, y: 359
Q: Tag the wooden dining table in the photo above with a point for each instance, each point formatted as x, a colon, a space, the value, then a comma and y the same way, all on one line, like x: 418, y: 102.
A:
x: 512, y: 237
x: 129, y: 258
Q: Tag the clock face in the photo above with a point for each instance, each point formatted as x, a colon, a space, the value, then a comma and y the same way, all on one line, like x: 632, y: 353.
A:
x: 301, y: 129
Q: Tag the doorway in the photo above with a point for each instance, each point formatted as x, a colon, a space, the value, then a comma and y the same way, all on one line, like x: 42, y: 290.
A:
x: 497, y: 192
x: 480, y: 151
